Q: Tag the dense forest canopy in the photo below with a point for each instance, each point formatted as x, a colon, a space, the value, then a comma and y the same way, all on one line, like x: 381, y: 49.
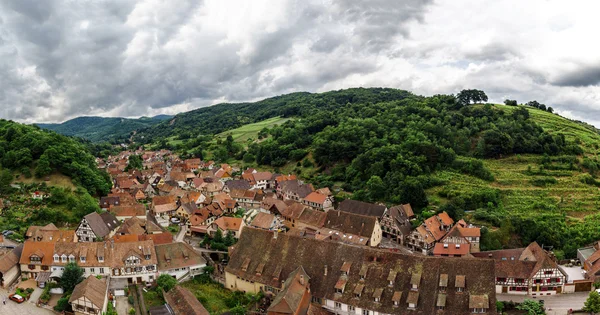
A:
x: 25, y: 148
x: 95, y: 129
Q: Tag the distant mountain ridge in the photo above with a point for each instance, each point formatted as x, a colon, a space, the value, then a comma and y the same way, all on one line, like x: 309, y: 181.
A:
x: 94, y: 128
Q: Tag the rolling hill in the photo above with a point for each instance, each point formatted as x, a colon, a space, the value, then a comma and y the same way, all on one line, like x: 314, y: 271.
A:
x: 526, y: 174
x: 103, y: 128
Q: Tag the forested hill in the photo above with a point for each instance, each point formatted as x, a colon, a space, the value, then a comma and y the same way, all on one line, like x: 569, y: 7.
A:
x: 524, y: 172
x: 221, y: 117
x: 31, y: 151
x: 96, y: 129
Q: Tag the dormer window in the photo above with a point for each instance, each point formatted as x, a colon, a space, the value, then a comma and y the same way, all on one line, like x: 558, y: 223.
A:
x: 377, y: 294
x: 71, y: 258
x: 147, y: 257
x: 415, y: 281
x: 82, y: 259
x: 56, y: 258
x: 100, y: 259
x: 346, y: 268
x: 63, y: 258
x: 460, y: 283
x: 358, y: 290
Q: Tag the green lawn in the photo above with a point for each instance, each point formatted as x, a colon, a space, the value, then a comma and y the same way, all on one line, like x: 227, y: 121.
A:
x: 250, y: 131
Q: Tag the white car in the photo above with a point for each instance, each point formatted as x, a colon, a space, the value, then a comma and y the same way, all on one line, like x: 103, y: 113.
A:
x: 175, y: 220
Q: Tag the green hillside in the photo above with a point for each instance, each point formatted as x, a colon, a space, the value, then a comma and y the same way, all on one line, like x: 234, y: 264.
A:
x: 103, y: 128
x: 526, y: 174
x: 251, y: 131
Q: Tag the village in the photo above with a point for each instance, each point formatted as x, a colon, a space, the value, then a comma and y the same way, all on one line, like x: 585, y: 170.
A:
x: 275, y: 235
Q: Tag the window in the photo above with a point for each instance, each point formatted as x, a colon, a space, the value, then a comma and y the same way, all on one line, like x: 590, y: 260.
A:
x: 56, y: 258
x: 82, y: 259
x: 337, y: 305
x: 100, y: 258
x: 366, y: 312
x: 101, y: 270
x: 500, y: 279
x: 63, y: 258
x: 460, y: 289
x: 351, y: 308
x: 92, y: 270
x: 549, y: 272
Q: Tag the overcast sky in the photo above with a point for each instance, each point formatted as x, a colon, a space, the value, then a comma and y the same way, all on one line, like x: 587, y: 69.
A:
x: 63, y: 59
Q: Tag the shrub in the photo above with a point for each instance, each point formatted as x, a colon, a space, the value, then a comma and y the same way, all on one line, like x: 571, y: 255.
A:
x: 543, y: 181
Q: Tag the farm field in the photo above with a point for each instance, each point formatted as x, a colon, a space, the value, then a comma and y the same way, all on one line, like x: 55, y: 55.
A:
x: 250, y: 131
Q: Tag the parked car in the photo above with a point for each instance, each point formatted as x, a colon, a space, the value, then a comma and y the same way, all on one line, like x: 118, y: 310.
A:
x: 175, y: 220
x: 17, y: 298
x: 8, y: 233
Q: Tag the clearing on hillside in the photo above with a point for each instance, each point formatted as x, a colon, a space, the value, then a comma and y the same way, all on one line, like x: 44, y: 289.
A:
x: 250, y: 131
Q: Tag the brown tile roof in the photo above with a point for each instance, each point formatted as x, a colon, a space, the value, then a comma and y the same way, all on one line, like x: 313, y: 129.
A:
x: 451, y: 249
x: 294, y: 186
x: 350, y: 223
x: 102, y: 224
x: 182, y: 301
x: 282, y: 255
x: 479, y: 301
x: 263, y: 220
x: 128, y: 211
x: 289, y: 300
x: 228, y: 223
x: 44, y: 250
x: 445, y: 218
x: 10, y: 259
x: 315, y: 197
x: 258, y: 176
x: 293, y: 211
x: 313, y: 218
x: 93, y: 289
x: 177, y: 255
x: 362, y: 208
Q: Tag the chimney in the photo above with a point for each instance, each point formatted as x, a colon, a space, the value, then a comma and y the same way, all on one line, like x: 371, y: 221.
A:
x: 339, y: 213
x: 301, y: 279
x: 490, y: 255
x: 275, y: 235
x: 325, y: 270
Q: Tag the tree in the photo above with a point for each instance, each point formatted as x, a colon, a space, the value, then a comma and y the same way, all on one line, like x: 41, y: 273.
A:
x: 550, y: 109
x: 134, y: 163
x: 72, y: 275
x: 510, y: 102
x: 531, y: 307
x: 229, y: 239
x: 166, y: 282
x: 592, y: 304
x: 465, y: 97
x: 218, y: 236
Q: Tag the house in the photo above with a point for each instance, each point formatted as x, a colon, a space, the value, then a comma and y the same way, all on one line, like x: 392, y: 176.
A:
x: 396, y: 223
x: 164, y: 206
x: 350, y: 279
x: 186, y: 210
x: 294, y: 297
x: 179, y: 260
x: 355, y: 224
x: 262, y: 180
x: 266, y: 221
x: 97, y: 226
x: 138, y: 226
x: 182, y: 301
x: 291, y: 213
x: 139, y: 194
x: 526, y: 271
x: 249, y: 199
x: 108, y: 202
x: 363, y: 208
x: 293, y: 190
x: 36, y: 258
x: 134, y: 261
x: 9, y: 266
x: 50, y: 233
x: 461, y: 240
x: 90, y: 297
x: 126, y: 212
x: 423, y: 238
x: 236, y: 184
x: 227, y: 225
x: 590, y: 260
x: 318, y: 201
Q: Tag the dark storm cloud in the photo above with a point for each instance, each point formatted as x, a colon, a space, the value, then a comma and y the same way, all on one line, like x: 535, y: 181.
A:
x: 61, y: 59
x: 495, y: 51
x: 582, y: 76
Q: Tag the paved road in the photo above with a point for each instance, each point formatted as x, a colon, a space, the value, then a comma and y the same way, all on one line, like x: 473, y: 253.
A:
x: 25, y: 308
x: 181, y: 234
x: 555, y: 304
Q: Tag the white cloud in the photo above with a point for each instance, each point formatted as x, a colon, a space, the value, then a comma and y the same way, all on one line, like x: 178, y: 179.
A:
x: 133, y: 58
